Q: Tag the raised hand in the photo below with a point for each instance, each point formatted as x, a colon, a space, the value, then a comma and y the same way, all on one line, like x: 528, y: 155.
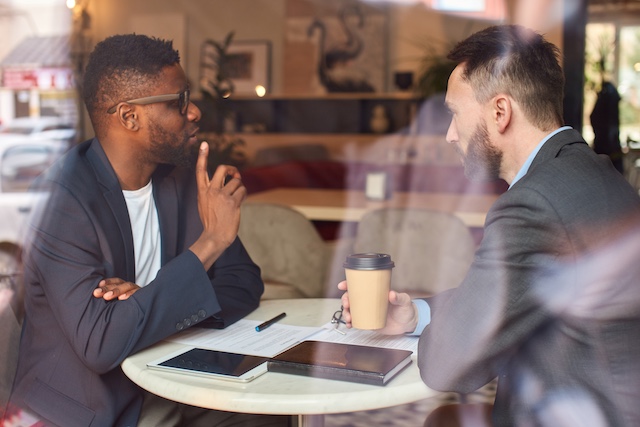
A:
x: 219, y: 200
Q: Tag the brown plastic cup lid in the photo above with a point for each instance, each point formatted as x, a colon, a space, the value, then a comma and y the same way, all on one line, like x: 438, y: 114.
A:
x: 369, y: 261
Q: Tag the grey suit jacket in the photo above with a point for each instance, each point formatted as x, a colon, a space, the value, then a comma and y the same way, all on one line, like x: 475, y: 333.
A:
x: 72, y: 343
x: 543, y: 307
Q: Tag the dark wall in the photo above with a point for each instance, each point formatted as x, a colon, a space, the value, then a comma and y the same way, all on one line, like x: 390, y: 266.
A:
x: 574, y: 40
x: 313, y: 115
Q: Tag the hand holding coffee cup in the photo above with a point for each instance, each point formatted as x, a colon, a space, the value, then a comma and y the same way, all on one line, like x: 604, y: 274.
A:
x: 369, y: 281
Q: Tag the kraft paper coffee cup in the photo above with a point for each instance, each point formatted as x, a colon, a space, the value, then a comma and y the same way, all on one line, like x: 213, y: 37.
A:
x: 368, y: 283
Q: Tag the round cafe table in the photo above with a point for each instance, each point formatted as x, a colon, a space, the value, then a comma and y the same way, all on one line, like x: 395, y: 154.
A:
x: 274, y: 393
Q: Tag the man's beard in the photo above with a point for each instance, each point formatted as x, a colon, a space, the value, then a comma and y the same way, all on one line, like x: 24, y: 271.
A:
x: 482, y: 161
x: 166, y: 149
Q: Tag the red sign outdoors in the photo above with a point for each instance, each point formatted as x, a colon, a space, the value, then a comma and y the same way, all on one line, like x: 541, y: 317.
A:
x: 19, y: 78
x: 42, y: 78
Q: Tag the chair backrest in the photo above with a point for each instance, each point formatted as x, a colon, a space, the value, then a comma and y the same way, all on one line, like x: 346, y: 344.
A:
x: 432, y: 251
x: 286, y: 246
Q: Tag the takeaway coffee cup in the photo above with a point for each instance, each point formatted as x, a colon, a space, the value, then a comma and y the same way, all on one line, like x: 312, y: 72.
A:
x: 368, y: 281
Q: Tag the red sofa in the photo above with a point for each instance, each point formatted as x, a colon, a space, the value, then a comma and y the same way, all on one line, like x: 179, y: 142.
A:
x: 333, y: 174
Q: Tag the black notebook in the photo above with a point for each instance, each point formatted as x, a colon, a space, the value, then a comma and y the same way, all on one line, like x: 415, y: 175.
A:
x: 339, y: 361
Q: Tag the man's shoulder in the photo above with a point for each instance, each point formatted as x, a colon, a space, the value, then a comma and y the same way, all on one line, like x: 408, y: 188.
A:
x: 575, y: 177
x: 73, y: 172
x: 565, y: 139
x: 566, y: 155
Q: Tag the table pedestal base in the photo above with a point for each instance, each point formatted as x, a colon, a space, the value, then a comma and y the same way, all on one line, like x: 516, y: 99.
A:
x: 310, y: 421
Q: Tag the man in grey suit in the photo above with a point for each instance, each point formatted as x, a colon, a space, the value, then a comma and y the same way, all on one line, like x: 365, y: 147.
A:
x: 550, y: 305
x: 132, y: 246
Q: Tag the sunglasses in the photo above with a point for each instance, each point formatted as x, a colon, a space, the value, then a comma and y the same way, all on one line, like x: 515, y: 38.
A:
x: 183, y: 101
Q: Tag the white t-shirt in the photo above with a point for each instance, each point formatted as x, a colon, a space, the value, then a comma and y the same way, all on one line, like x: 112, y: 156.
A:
x: 146, y: 233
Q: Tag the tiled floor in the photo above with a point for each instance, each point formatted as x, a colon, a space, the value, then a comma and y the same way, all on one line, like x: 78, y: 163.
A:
x: 412, y: 414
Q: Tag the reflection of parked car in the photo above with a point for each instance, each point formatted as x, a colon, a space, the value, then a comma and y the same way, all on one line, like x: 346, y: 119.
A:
x: 21, y: 162
x: 38, y: 128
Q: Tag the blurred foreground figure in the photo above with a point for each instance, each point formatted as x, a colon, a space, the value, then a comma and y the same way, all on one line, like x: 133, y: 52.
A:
x: 551, y: 304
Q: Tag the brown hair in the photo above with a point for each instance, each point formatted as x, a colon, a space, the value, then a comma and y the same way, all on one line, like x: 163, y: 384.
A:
x: 519, y: 62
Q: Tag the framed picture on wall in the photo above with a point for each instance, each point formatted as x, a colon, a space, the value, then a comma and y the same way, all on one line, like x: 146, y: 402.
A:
x: 334, y: 46
x: 247, y: 64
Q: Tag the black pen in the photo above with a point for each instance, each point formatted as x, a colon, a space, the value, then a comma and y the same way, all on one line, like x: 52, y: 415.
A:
x: 270, y: 322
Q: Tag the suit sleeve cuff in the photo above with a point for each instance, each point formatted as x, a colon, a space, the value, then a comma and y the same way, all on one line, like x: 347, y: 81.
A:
x: 424, y: 316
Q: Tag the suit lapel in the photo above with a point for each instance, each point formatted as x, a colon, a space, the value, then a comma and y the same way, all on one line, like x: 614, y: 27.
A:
x: 165, y: 194
x: 121, y: 242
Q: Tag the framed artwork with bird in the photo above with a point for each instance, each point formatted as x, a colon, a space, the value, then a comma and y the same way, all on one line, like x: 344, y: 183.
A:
x: 334, y: 46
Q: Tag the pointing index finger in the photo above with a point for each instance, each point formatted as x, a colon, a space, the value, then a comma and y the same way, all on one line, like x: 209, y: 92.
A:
x: 202, y: 175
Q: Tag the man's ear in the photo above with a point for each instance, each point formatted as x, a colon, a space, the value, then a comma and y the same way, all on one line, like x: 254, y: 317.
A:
x: 128, y: 117
x: 502, y: 111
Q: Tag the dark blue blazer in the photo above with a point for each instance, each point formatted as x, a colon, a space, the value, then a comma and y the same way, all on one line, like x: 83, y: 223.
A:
x: 72, y: 343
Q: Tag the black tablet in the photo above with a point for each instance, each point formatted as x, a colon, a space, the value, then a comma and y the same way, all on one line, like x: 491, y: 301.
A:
x: 213, y: 364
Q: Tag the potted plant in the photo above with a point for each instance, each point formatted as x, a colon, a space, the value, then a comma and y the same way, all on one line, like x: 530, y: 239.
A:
x: 225, y: 147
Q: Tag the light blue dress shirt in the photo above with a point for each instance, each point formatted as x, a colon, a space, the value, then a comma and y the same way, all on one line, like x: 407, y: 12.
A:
x: 424, y: 311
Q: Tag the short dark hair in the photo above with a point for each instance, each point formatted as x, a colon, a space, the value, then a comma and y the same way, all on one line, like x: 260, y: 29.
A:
x: 517, y: 61
x: 121, y: 67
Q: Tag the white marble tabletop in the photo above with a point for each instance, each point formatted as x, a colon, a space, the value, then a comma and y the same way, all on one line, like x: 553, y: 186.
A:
x: 274, y: 393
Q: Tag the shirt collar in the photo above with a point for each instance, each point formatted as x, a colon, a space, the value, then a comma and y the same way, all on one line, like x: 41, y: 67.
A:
x: 525, y: 167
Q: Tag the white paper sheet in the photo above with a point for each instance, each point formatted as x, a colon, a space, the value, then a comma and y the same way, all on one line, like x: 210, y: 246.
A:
x: 362, y: 337
x: 242, y: 337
